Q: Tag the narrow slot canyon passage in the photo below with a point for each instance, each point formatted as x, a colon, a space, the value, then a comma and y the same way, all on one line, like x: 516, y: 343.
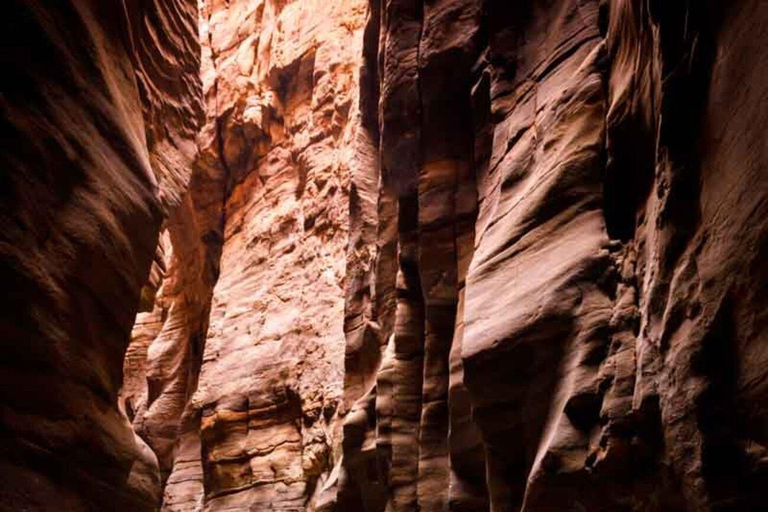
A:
x: 384, y: 256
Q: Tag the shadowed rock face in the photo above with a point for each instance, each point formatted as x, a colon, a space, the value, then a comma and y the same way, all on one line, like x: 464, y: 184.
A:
x: 566, y: 295
x: 419, y: 255
x: 100, y: 109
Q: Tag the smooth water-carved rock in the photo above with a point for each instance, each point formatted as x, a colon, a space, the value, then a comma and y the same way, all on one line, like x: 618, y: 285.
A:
x: 443, y: 255
x: 97, y: 143
x: 582, y: 339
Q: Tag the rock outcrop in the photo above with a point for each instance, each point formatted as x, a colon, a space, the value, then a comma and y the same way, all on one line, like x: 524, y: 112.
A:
x: 100, y: 109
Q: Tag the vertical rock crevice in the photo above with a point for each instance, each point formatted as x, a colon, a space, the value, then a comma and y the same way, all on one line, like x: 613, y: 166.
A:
x: 258, y: 420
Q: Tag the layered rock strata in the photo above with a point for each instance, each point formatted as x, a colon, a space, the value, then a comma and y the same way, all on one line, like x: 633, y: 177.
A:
x: 465, y: 255
x: 100, y: 110
x: 565, y: 303
x: 242, y: 369
x: 272, y: 367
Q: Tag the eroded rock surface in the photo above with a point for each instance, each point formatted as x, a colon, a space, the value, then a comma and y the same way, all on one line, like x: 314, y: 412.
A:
x: 238, y: 374
x: 272, y: 368
x: 100, y: 110
x: 562, y: 212
x: 420, y: 255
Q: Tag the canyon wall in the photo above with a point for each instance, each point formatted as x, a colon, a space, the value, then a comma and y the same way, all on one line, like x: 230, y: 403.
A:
x: 101, y: 105
x: 235, y: 371
x: 387, y: 256
x: 565, y: 310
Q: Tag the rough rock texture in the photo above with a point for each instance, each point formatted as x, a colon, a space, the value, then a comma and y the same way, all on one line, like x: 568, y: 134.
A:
x: 424, y: 255
x: 564, y: 305
x: 235, y: 372
x: 272, y: 369
x: 100, y: 109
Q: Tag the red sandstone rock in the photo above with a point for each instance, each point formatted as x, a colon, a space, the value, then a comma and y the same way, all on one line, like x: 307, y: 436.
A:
x: 99, y: 120
x: 268, y: 207
x: 465, y: 255
x: 596, y: 327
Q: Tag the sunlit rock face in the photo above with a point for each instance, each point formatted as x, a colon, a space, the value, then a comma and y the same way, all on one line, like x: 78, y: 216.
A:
x: 271, y: 378
x: 100, y: 111
x: 235, y: 373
